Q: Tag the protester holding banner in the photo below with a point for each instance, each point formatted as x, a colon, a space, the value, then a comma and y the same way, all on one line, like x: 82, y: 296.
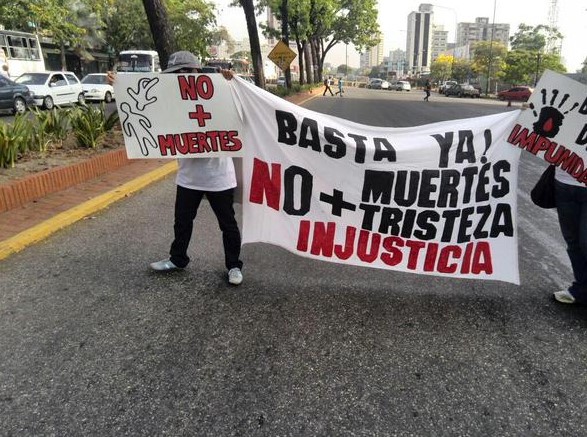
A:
x: 214, y: 178
x: 571, y: 205
x: 554, y: 130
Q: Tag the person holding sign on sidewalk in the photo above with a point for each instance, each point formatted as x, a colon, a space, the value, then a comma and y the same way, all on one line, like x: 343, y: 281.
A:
x: 214, y: 178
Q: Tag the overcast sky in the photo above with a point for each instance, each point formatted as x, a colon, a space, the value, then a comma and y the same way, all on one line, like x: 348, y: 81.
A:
x: 393, y: 17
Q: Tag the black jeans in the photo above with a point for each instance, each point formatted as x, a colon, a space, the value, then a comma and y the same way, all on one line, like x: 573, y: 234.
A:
x: 186, y: 207
x: 571, y: 205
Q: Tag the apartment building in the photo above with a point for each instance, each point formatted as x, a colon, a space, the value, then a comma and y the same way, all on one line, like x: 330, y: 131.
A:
x: 481, y: 30
x: 419, y: 39
x: 372, y: 57
x: 439, y: 41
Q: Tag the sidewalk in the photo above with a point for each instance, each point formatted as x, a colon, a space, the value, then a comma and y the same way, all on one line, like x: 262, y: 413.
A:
x: 21, y: 227
x: 35, y: 221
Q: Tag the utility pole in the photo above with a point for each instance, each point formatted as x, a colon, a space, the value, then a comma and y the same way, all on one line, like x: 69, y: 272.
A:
x: 346, y: 61
x: 490, y: 50
x: 285, y: 37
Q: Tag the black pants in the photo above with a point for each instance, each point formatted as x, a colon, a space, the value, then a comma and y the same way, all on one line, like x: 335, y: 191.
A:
x: 327, y: 88
x: 186, y: 207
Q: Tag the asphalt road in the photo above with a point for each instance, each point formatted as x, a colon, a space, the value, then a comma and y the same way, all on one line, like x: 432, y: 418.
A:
x: 94, y: 344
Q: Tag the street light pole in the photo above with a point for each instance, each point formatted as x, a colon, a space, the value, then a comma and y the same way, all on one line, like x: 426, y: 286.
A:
x: 346, y: 61
x: 452, y: 67
x: 537, y: 68
x: 454, y: 12
x: 490, y: 50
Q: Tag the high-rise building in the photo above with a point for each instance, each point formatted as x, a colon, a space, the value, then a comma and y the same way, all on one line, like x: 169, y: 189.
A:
x: 419, y: 39
x: 372, y: 57
x: 482, y: 30
x: 397, y: 62
x: 439, y: 41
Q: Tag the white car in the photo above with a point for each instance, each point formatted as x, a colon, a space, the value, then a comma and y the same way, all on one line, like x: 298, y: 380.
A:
x: 402, y: 85
x: 52, y: 88
x: 96, y: 88
x: 281, y: 81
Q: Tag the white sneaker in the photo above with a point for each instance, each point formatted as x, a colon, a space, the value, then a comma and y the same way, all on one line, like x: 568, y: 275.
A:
x: 164, y: 265
x: 235, y: 276
x: 564, y: 296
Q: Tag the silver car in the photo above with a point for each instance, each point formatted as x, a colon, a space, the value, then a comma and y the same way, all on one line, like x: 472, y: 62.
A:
x: 378, y: 84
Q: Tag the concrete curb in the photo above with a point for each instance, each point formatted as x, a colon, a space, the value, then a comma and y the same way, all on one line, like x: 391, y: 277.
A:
x: 43, y: 230
x: 17, y: 193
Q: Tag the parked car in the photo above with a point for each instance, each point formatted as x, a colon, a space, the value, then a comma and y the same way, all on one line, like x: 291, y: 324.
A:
x: 462, y: 90
x: 52, y: 88
x: 446, y: 85
x: 96, y: 88
x: 280, y: 81
x: 14, y: 97
x: 378, y: 84
x: 402, y: 85
x: 517, y: 93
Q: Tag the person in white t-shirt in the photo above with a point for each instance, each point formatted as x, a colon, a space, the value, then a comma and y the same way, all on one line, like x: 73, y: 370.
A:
x: 213, y: 178
x: 571, y: 206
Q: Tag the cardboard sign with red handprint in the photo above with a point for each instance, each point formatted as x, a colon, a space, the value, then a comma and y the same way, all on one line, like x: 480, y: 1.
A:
x: 554, y: 127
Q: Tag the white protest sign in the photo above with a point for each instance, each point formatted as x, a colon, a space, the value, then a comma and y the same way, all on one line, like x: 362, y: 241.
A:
x: 555, y: 125
x: 178, y: 116
x: 438, y: 199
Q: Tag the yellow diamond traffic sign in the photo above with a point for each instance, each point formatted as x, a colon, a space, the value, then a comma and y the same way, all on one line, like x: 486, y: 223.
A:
x: 282, y: 55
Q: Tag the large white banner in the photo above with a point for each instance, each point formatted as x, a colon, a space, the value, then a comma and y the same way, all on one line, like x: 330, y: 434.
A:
x: 555, y: 125
x: 177, y: 116
x: 438, y: 199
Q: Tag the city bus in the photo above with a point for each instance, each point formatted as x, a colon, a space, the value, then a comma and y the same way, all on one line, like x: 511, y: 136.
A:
x: 138, y: 61
x: 21, y: 52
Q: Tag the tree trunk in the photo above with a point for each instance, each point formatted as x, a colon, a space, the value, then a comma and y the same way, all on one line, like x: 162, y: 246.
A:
x: 301, y: 50
x: 160, y: 29
x: 316, y: 61
x: 256, y: 56
x: 309, y: 64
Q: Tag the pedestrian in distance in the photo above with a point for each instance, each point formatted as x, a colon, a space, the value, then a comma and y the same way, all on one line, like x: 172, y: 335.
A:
x: 340, y: 87
x: 571, y: 206
x: 327, y: 86
x: 427, y: 88
x: 213, y: 178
